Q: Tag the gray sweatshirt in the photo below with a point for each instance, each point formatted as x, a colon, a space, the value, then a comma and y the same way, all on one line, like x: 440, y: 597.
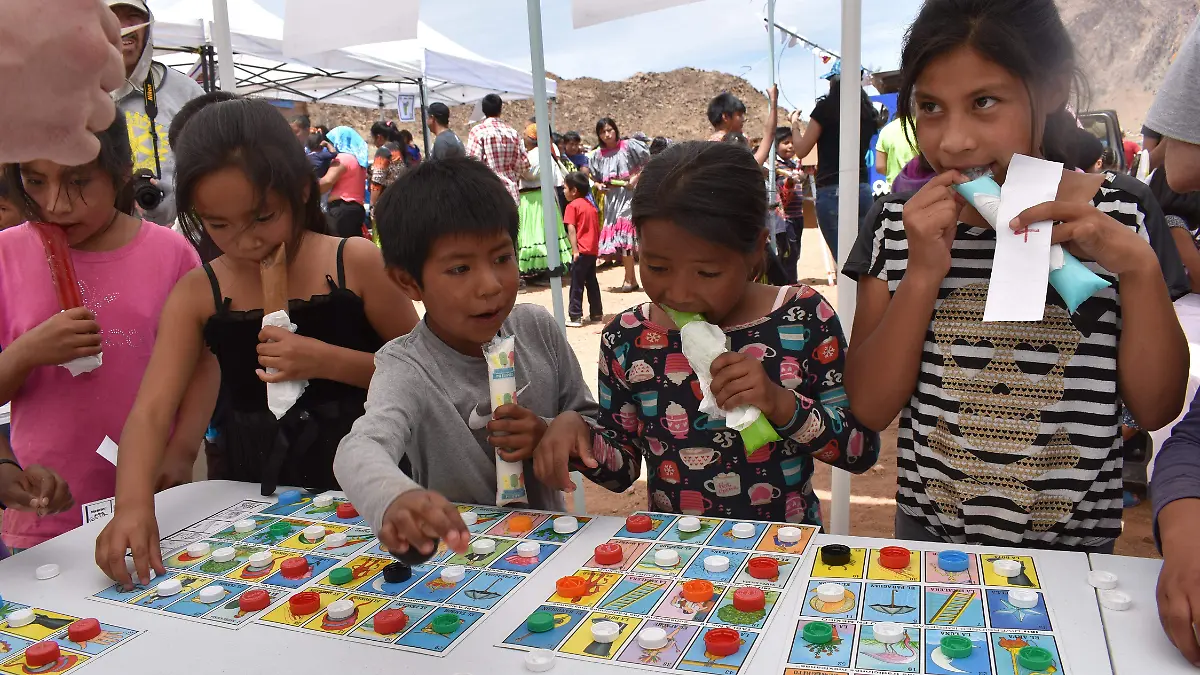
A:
x: 430, y: 403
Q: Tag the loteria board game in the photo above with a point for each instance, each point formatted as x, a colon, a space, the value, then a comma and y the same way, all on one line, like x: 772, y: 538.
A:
x: 892, y: 610
x: 666, y: 590
x: 52, y: 642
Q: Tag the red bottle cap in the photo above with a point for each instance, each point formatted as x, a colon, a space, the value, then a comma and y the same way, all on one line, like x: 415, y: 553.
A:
x: 722, y: 641
x: 894, y: 557
x: 571, y: 587
x: 254, y: 600
x: 346, y: 511
x: 42, y: 654
x: 636, y: 524
x: 83, y: 630
x: 763, y: 568
x: 390, y: 621
x: 609, y: 554
x: 294, y: 568
x: 749, y: 599
x: 303, y: 604
x: 698, y: 590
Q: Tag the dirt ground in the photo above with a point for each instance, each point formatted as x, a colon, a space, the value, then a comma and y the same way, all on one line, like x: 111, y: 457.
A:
x: 872, y: 501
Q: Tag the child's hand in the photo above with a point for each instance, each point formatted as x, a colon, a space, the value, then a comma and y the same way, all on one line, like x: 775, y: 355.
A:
x: 132, y: 528
x: 295, y: 357
x: 740, y: 380
x: 568, y: 437
x: 930, y: 223
x: 418, y: 517
x: 62, y: 338
x: 515, y: 432
x: 36, y: 489
x: 175, y: 471
x: 1091, y: 234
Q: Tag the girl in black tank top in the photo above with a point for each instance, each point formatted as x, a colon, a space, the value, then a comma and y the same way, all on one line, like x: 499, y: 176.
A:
x: 243, y: 184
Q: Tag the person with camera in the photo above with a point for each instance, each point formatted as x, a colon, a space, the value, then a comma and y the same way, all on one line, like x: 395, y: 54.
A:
x: 149, y: 99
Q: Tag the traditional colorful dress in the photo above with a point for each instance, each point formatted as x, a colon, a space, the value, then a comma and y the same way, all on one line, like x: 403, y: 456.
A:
x: 620, y: 163
x: 531, y: 236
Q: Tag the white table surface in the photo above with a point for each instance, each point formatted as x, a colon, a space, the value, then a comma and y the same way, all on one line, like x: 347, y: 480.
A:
x: 1137, y: 642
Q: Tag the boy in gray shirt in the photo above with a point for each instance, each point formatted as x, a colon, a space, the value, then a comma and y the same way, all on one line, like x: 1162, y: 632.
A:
x: 448, y: 231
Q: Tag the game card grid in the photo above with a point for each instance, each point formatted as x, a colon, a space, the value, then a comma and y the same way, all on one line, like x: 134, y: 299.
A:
x: 49, y: 626
x: 929, y: 603
x: 425, y: 598
x: 637, y: 593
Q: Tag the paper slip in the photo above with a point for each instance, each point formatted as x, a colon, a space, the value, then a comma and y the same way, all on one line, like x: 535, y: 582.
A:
x: 1021, y: 268
x: 99, y: 509
x: 108, y: 450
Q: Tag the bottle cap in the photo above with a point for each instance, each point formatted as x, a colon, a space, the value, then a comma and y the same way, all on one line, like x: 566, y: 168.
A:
x: 296, y: 567
x: 817, y: 633
x: 831, y: 592
x: 1022, y: 598
x: 340, y: 576
x: 716, y: 564
x: 609, y: 553
x: 244, y: 526
x: 304, y: 603
x: 42, y: 654
x: 722, y: 641
x: 224, y: 554
x: 289, y: 497
x: 83, y: 630
x: 540, y: 622
x: 666, y: 557
x: 763, y: 568
x: 652, y: 638
x: 894, y: 557
x: 743, y: 530
x: 698, y: 590
x: 689, y: 524
x: 571, y: 587
x: 638, y: 523
x: 254, y: 600
x: 956, y: 646
x: 952, y: 561
x: 605, y: 632
x: 346, y: 511
x: 445, y: 624
x: 565, y: 524
x: 888, y: 632
x: 340, y: 610
x: 1036, y: 659
x: 280, y: 529
x: 835, y: 555
x: 789, y: 535
x: 390, y: 621
x: 749, y: 599
x: 397, y: 573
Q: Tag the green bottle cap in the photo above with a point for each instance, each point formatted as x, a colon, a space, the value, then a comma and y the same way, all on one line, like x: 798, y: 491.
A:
x: 818, y: 633
x: 280, y: 529
x: 540, y: 622
x: 445, y: 624
x: 1035, y: 658
x: 956, y: 646
x: 341, y: 576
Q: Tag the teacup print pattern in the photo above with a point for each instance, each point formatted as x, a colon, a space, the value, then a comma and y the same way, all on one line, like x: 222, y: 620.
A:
x: 650, y: 410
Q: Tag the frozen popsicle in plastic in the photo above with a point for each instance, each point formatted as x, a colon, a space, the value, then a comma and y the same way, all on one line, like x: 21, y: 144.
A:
x: 66, y: 285
x: 501, y: 359
x: 273, y: 270
x: 281, y: 396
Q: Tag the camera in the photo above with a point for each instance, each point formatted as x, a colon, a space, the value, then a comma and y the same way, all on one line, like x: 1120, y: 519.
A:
x: 147, y: 195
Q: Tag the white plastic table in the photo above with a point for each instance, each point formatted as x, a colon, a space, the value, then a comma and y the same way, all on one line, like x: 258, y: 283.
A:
x: 1136, y: 640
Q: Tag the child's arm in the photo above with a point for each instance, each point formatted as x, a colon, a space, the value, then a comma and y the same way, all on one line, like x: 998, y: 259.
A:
x: 764, y: 146
x: 34, y: 488
x: 1188, y: 254
x: 331, y: 176
x: 571, y: 234
x: 195, y: 414
x: 62, y: 338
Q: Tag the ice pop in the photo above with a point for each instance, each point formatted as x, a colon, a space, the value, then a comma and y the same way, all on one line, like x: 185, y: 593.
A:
x: 62, y: 271
x: 273, y: 269
x: 501, y: 359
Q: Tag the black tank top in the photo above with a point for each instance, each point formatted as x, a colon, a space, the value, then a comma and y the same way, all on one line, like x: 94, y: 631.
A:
x: 297, y: 449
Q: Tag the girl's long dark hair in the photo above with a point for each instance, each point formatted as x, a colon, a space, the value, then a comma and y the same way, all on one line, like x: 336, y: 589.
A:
x: 251, y: 135
x: 1025, y: 37
x: 386, y: 129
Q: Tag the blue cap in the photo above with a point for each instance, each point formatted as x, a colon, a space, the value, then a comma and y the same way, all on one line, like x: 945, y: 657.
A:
x: 836, y: 71
x: 289, y: 497
x: 952, y: 561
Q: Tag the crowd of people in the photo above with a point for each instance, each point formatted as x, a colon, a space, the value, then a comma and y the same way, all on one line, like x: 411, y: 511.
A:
x: 1010, y: 433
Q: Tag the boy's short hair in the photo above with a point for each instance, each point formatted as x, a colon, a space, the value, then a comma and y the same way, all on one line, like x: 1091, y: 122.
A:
x: 572, y: 137
x: 458, y: 195
x: 578, y: 181
x: 440, y: 112
x: 724, y: 104
x: 492, y: 105
x: 782, y: 134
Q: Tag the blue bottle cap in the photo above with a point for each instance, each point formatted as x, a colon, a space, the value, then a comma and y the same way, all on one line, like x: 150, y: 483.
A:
x: 289, y: 497
x: 952, y: 561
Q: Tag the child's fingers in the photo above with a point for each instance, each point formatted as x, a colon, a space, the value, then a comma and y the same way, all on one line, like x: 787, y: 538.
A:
x: 510, y: 426
x: 511, y: 411
x: 407, y: 528
x: 445, y: 520
x: 517, y: 454
x: 583, y: 448
x: 141, y: 559
x: 272, y: 378
x: 737, y: 390
x: 61, y: 499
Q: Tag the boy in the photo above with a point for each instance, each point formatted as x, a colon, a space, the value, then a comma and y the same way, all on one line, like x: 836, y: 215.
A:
x: 789, y: 182
x: 572, y: 147
x: 726, y: 113
x: 583, y: 227
x: 448, y: 231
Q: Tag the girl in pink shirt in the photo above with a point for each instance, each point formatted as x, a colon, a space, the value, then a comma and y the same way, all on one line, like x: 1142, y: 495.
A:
x: 125, y: 268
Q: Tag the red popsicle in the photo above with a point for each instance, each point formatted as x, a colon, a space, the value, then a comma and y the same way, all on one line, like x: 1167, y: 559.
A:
x: 62, y: 271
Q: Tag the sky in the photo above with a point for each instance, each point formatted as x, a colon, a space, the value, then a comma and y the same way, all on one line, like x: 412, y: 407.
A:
x: 723, y: 35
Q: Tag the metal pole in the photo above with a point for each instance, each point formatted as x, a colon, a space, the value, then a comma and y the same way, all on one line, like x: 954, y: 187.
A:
x: 382, y: 117
x: 224, y: 44
x: 771, y: 186
x: 850, y: 158
x: 424, y: 117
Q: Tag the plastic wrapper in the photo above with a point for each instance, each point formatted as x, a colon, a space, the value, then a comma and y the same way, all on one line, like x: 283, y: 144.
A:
x: 702, y: 344
x: 66, y: 286
x: 281, y: 396
x: 501, y: 357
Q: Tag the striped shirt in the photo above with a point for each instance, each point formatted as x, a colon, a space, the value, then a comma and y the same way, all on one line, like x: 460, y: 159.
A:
x: 1011, y: 436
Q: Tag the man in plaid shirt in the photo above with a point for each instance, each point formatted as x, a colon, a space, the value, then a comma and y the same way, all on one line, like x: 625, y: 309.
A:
x: 499, y: 146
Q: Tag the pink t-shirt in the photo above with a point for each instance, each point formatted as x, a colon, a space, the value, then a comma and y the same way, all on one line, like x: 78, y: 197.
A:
x: 353, y: 183
x: 57, y: 420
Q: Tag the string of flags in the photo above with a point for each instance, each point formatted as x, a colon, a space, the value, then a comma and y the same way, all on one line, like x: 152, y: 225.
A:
x: 790, y: 38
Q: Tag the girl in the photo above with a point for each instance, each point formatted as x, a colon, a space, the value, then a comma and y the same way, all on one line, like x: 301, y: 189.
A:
x: 389, y: 161
x: 614, y: 167
x: 248, y: 188
x: 1008, y: 431
x: 126, y: 268
x: 531, y: 237
x: 701, y: 214
x: 346, y: 183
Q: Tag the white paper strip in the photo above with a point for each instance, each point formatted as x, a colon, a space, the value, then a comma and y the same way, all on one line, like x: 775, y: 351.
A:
x: 1021, y: 268
x: 307, y: 29
x: 108, y: 450
x: 586, y: 13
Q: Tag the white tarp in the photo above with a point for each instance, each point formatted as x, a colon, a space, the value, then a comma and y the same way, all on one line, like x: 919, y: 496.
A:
x: 586, y: 13
x: 305, y: 33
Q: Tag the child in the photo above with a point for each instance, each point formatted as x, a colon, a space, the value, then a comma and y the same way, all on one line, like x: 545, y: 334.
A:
x: 126, y: 269
x: 789, y: 182
x: 244, y: 184
x: 727, y: 114
x: 11, y: 213
x: 583, y: 226
x: 701, y: 214
x: 572, y: 147
x: 1008, y: 431
x: 448, y: 230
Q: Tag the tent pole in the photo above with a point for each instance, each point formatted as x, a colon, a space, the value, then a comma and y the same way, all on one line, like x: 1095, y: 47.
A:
x: 849, y: 160
x: 424, y: 117
x: 381, y: 115
x: 772, y: 187
x: 224, y: 44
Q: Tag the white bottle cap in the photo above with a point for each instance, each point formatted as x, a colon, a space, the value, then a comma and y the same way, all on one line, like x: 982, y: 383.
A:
x: 689, y: 524
x: 605, y: 631
x: 322, y: 501
x: 1102, y: 580
x: 261, y: 559
x: 340, y: 609
x: 831, y: 592
x: 565, y: 524
x: 20, y: 617
x: 314, y: 533
x: 529, y: 549
x: 483, y: 546
x: 470, y: 518
x: 198, y: 549
x: 716, y: 563
x: 1118, y: 601
x: 453, y: 573
x: 1023, y: 598
x: 888, y: 632
x: 224, y: 554
x: 244, y: 526
x: 1006, y: 567
x: 168, y: 588
x: 335, y: 540
x: 743, y: 530
x: 789, y: 535
x: 47, y: 571
x: 213, y: 594
x: 652, y: 638
x: 539, y: 660
x: 666, y: 557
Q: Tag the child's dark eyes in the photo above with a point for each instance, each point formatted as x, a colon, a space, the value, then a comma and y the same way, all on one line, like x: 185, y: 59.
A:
x: 267, y: 218
x: 657, y: 269
x: 985, y: 102
x: 709, y: 275
x: 459, y: 270
x: 928, y: 107
x: 505, y: 259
